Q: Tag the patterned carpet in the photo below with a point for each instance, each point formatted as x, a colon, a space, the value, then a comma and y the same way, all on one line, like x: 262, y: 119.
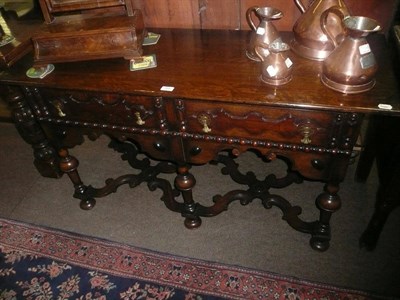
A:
x: 44, y: 263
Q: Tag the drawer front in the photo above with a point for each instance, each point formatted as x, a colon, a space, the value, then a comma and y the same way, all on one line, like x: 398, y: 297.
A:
x: 246, y: 124
x: 104, y: 109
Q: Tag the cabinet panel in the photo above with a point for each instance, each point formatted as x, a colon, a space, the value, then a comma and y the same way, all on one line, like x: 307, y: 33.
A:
x: 169, y: 13
x: 222, y: 14
x: 231, y: 14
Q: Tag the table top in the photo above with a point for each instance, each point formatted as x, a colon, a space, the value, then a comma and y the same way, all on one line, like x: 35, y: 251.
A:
x: 211, y: 65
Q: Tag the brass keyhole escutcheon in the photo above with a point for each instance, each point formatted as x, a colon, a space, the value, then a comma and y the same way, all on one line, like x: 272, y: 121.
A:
x: 307, y: 132
x: 59, y: 107
x: 139, y: 120
x: 205, y: 121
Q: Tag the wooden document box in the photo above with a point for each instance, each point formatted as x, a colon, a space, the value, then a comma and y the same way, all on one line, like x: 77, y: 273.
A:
x: 102, y: 29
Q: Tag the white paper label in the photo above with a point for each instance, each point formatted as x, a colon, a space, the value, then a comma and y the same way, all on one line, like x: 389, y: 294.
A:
x: 385, y: 106
x: 260, y: 30
x: 272, y: 71
x: 364, y: 49
x: 288, y: 62
x: 167, y: 88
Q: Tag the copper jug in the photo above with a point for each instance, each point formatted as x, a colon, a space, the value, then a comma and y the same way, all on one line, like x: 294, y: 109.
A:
x: 277, y: 67
x: 309, y: 39
x: 351, y: 67
x: 265, y: 33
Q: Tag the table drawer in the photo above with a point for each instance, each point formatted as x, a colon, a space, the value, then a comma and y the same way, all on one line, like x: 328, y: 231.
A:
x: 246, y: 123
x: 109, y: 109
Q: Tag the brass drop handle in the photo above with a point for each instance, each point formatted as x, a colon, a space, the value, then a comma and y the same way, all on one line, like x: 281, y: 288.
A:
x: 139, y: 120
x: 307, y: 132
x: 59, y: 107
x: 205, y: 121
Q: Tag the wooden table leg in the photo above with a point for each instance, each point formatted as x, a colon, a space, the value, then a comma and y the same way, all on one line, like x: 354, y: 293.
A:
x: 185, y: 182
x: 387, y: 138
x: 46, y: 158
x: 69, y: 165
x: 328, y: 202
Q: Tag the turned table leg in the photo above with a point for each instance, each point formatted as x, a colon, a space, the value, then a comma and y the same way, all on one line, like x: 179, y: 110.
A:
x: 46, y: 158
x: 185, y: 182
x: 328, y: 202
x: 69, y: 165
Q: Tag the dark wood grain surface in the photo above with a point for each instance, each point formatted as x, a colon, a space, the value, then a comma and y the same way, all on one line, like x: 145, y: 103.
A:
x: 211, y: 64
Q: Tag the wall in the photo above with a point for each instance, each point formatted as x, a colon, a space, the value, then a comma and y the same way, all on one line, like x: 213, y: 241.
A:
x: 231, y: 14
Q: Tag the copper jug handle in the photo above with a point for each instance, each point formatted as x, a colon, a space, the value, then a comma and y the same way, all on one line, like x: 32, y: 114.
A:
x: 258, y: 50
x: 249, y: 19
x: 324, y: 20
x: 300, y: 6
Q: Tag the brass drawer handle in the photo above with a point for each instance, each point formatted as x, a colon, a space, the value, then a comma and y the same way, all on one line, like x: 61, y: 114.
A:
x: 205, y: 121
x: 59, y: 107
x: 139, y: 120
x: 307, y: 132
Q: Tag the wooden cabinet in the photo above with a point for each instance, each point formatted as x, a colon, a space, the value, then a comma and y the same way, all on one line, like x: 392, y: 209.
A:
x: 231, y: 14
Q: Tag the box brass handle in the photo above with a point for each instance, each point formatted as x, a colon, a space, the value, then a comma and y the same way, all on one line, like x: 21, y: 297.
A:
x: 59, y: 107
x: 205, y: 121
x: 307, y: 132
x: 139, y: 120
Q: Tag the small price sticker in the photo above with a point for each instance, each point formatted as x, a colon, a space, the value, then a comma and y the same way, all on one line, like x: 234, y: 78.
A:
x: 260, y: 31
x: 166, y: 88
x: 364, y: 49
x: 288, y: 62
x: 385, y: 106
x: 272, y: 71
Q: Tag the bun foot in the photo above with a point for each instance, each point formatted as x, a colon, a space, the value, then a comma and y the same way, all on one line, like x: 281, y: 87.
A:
x: 87, y: 204
x: 192, y: 223
x: 319, y: 244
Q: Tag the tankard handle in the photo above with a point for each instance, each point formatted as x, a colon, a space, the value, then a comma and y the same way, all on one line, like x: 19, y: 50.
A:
x: 324, y: 23
x: 261, y: 52
x: 300, y: 6
x: 249, y: 17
